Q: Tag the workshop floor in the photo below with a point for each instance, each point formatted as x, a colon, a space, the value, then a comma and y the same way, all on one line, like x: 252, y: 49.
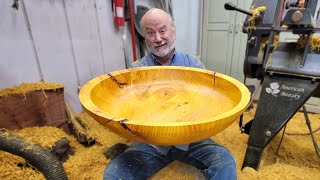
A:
x: 296, y: 158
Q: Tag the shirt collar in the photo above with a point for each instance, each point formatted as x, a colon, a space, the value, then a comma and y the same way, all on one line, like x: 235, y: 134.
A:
x: 157, y: 62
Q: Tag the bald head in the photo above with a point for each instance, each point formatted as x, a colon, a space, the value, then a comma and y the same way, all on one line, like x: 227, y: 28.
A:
x: 159, y: 33
x: 155, y: 16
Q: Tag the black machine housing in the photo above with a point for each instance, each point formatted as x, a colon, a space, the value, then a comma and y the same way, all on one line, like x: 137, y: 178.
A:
x: 289, y: 75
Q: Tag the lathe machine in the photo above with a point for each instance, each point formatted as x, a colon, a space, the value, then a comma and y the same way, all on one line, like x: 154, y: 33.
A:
x: 289, y: 71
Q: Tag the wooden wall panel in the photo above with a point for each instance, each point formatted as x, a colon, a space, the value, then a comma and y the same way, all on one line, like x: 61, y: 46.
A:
x: 188, y: 33
x: 63, y: 41
x: 111, y: 37
x: 82, y: 20
x: 17, y: 56
x: 53, y: 44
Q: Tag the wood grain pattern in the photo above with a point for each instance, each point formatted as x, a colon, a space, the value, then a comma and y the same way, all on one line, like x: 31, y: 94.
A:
x: 35, y: 108
x: 165, y: 105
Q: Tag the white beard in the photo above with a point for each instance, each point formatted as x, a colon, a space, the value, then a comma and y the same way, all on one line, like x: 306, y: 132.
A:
x: 161, y: 52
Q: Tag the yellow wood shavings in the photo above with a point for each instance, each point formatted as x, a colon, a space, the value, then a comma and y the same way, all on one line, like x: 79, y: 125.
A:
x: 9, y: 168
x: 252, y: 19
x: 98, y: 132
x: 264, y: 40
x: 180, y: 171
x: 27, y: 87
x: 276, y: 41
x: 42, y: 135
x: 86, y: 163
x: 297, y: 158
x: 15, y: 167
x: 314, y: 42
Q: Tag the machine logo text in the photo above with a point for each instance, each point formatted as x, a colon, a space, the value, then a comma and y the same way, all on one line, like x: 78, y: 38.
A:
x: 285, y: 91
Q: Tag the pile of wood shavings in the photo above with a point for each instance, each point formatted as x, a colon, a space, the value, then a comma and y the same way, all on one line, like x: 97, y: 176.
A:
x: 101, y: 134
x: 9, y: 168
x: 42, y: 137
x: 264, y: 41
x: 28, y: 87
x: 252, y: 19
x: 314, y: 43
x: 297, y: 158
x: 301, y: 42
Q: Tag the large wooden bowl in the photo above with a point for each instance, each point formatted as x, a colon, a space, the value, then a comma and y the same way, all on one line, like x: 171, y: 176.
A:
x: 165, y: 105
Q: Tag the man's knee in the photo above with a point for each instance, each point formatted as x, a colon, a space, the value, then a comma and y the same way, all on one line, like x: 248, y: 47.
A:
x: 122, y: 167
x: 225, y: 168
x: 111, y: 172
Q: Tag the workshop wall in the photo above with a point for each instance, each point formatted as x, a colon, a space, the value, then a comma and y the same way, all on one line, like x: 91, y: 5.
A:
x: 63, y: 41
x: 188, y: 19
x: 72, y: 41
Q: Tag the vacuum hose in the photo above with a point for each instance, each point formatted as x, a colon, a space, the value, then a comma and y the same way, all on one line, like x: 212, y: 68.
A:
x: 37, y: 156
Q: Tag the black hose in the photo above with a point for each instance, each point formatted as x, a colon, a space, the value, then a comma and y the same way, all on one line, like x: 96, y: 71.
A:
x: 37, y: 156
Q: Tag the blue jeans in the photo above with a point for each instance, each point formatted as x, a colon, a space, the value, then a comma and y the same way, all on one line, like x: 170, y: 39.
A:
x: 142, y: 161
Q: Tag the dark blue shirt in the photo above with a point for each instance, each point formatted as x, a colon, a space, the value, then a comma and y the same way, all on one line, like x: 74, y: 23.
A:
x: 178, y: 59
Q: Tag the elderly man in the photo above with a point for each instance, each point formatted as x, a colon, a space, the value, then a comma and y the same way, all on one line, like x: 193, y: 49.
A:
x: 141, y: 161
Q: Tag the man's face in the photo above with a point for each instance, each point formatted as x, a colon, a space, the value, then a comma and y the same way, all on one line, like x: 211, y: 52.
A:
x: 160, y: 37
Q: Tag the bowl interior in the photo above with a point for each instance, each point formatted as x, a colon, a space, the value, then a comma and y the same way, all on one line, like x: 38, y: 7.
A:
x: 165, y: 95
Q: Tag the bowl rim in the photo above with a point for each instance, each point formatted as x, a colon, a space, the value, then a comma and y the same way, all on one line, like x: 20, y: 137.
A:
x: 88, y: 105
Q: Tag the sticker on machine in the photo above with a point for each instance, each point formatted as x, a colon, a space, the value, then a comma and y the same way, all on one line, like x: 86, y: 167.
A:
x: 276, y: 90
